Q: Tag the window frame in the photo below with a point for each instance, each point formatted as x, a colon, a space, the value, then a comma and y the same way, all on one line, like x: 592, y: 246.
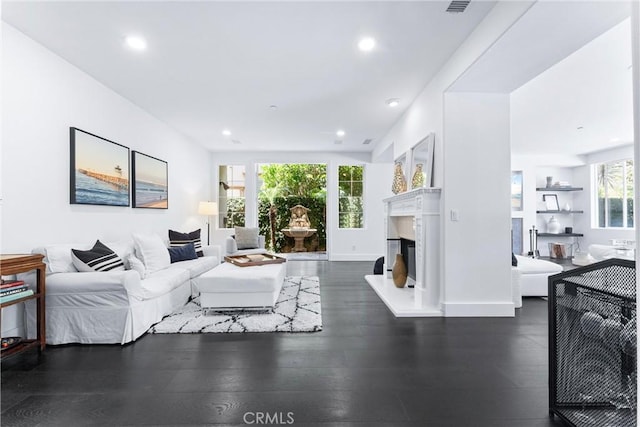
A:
x: 624, y: 190
x: 231, y: 185
x: 363, y: 186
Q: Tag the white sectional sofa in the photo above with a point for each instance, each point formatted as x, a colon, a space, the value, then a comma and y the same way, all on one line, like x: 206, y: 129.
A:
x: 534, y: 275
x: 114, y: 306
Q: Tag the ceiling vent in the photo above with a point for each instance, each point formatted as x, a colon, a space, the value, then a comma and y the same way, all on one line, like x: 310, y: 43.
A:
x: 458, y: 6
x: 235, y: 141
x: 367, y: 141
x: 337, y: 142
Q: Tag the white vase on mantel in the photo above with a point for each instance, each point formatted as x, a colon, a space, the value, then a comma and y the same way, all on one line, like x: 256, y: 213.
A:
x: 553, y: 225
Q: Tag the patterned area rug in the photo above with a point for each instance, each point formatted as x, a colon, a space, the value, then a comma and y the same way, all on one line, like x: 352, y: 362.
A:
x: 297, y: 310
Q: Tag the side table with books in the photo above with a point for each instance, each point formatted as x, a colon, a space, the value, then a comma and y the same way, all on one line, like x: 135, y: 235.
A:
x: 16, y: 291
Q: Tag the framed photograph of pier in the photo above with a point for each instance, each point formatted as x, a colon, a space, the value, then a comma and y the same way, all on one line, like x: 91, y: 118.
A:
x: 150, y: 182
x: 99, y: 170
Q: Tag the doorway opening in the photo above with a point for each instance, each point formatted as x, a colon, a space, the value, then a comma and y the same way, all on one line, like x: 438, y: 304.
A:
x: 292, y: 209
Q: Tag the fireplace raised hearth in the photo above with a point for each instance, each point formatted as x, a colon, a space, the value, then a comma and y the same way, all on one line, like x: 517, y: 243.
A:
x: 412, y: 224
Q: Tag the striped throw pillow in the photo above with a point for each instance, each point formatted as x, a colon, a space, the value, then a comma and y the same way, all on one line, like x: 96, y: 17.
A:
x: 180, y: 239
x: 98, y: 258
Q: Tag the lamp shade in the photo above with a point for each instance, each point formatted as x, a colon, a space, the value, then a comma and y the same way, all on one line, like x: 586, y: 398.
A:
x: 208, y: 208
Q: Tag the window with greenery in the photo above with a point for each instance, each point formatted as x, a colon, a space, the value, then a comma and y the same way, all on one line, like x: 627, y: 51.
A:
x: 614, y: 194
x: 231, y: 201
x: 350, y: 201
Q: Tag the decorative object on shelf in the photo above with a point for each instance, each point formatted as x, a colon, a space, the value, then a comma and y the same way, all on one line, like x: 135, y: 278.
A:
x: 399, y: 181
x: 566, y: 207
x: 533, y: 243
x: 10, y: 342
x: 399, y: 272
x: 549, y: 181
x: 553, y: 225
x: 150, y: 182
x: 516, y: 190
x: 418, y: 177
x: 568, y: 230
x: 551, y: 202
x: 560, y: 250
x: 99, y: 170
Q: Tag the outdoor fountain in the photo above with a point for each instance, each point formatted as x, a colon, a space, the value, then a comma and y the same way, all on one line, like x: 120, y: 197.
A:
x: 299, y: 227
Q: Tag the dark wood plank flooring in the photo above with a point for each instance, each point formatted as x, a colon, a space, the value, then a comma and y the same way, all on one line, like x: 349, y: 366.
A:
x: 366, y: 368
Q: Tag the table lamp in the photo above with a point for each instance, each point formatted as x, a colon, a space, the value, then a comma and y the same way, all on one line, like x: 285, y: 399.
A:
x: 208, y: 209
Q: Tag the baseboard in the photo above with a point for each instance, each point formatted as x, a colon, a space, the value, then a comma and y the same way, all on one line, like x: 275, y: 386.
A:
x: 478, y: 309
x: 353, y: 257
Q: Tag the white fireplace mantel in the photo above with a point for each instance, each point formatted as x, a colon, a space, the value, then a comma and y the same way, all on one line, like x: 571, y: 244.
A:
x: 415, y: 215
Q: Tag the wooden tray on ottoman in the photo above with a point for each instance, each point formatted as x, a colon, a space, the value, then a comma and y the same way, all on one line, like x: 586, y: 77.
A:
x: 254, y: 259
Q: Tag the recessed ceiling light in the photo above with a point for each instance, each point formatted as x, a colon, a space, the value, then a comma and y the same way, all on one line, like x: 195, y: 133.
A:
x: 393, y: 102
x: 366, y: 44
x: 136, y: 42
x: 226, y: 132
x: 614, y: 140
x: 340, y: 133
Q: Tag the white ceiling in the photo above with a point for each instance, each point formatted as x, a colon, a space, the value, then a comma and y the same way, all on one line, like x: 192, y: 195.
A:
x: 591, y: 89
x: 216, y: 65
x: 566, y: 65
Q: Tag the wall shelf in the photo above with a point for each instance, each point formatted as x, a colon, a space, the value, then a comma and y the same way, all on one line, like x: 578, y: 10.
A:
x: 559, y: 189
x: 559, y: 212
x: 560, y: 234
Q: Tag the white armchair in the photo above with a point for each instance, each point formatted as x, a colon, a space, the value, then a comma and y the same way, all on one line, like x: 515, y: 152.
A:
x: 231, y: 248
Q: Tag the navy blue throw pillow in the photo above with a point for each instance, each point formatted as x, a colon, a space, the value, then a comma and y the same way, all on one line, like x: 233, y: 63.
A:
x: 183, y: 253
x: 514, y: 260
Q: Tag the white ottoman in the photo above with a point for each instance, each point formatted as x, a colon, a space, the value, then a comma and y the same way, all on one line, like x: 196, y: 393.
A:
x: 228, y: 286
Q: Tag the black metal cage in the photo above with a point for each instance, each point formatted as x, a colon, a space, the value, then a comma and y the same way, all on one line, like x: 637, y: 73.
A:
x: 593, y: 345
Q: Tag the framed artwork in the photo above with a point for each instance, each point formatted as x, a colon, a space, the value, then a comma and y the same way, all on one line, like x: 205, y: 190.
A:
x: 516, y: 190
x: 99, y: 172
x: 422, y: 162
x: 150, y: 182
x: 551, y: 202
x: 516, y: 236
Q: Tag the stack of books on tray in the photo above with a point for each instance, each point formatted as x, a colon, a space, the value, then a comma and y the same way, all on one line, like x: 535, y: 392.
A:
x: 13, y: 289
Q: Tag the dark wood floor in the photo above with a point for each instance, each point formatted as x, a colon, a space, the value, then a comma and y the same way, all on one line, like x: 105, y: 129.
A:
x: 365, y: 368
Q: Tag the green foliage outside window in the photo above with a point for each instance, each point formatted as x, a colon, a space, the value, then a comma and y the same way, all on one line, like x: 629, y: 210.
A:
x: 234, y: 213
x: 350, y: 197
x: 283, y: 187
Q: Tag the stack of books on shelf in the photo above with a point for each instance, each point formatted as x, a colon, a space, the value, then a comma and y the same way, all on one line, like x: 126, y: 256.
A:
x: 13, y: 289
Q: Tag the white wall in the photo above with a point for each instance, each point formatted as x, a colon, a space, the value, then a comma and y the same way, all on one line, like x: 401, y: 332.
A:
x: 426, y: 114
x: 342, y: 245
x: 43, y: 96
x: 477, y: 275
